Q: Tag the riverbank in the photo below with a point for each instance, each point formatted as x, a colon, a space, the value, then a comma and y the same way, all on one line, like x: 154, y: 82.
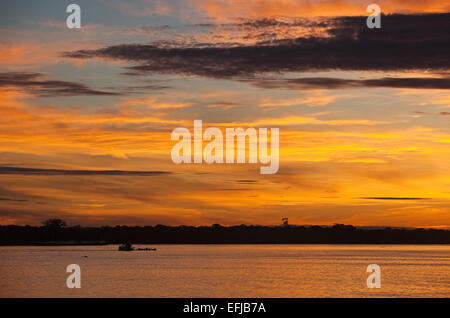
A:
x: 216, y: 234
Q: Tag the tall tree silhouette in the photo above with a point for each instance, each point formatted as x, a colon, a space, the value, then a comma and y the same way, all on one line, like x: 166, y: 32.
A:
x: 54, y: 223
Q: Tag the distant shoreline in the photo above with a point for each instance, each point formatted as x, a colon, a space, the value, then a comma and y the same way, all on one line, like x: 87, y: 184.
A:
x: 237, y: 244
x: 216, y: 234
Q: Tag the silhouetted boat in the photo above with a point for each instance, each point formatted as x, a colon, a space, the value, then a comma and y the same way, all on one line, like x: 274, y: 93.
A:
x: 128, y: 247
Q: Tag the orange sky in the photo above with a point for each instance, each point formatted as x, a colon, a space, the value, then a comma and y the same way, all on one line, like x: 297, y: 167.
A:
x: 361, y: 155
x: 223, y: 9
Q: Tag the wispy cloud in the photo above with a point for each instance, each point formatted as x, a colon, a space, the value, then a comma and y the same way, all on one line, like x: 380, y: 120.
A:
x: 36, y: 83
x: 349, y: 45
x: 55, y: 172
x: 340, y: 83
x: 393, y: 198
x: 13, y: 200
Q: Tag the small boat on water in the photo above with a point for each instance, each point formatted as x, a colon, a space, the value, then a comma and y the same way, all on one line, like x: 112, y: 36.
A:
x: 128, y: 247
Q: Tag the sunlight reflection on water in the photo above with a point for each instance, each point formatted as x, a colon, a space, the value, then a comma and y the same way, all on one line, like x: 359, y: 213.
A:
x: 227, y: 271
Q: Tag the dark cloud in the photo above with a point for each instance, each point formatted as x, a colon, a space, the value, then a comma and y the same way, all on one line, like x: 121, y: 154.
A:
x: 143, y: 89
x: 246, y: 181
x: 55, y: 172
x: 444, y: 113
x: 405, y: 42
x: 393, y: 198
x: 288, y: 22
x: 37, y: 84
x: 335, y: 83
x: 229, y: 189
x: 14, y: 200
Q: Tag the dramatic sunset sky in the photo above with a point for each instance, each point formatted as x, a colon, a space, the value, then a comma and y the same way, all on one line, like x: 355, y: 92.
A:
x: 87, y: 114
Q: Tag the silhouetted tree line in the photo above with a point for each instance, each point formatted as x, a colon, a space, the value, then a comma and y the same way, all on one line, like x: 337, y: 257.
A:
x: 217, y: 234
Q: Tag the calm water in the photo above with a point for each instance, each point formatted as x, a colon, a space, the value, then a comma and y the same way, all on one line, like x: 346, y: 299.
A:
x: 227, y: 271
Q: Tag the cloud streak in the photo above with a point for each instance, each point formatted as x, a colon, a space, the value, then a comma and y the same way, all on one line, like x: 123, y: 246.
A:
x: 394, y: 198
x: 339, y: 83
x: 56, y: 172
x: 13, y: 200
x: 405, y: 43
x: 36, y: 84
